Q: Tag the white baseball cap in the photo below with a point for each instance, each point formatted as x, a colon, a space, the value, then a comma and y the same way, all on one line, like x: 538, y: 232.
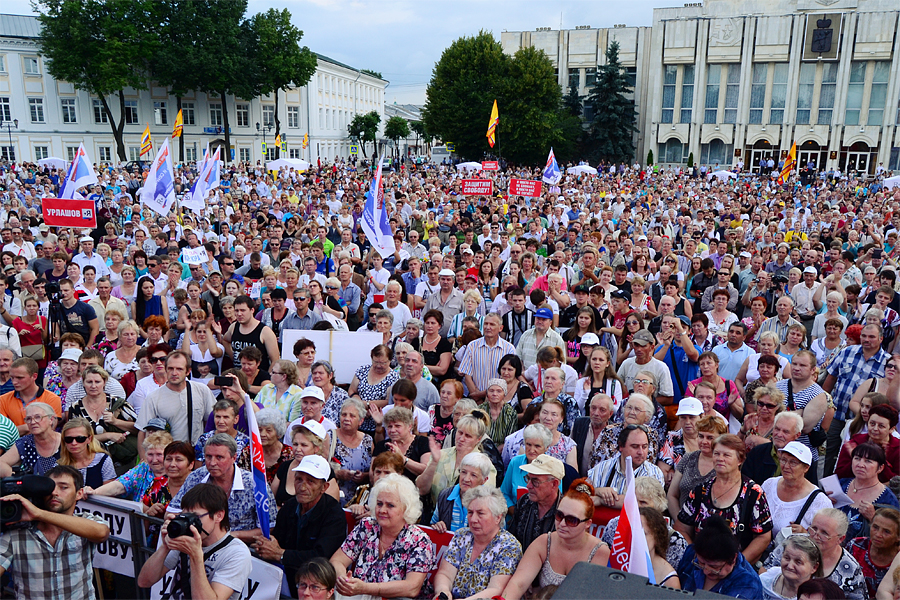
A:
x: 810, y: 270
x: 313, y: 392
x: 314, y: 465
x: 799, y: 451
x: 314, y: 427
x: 590, y: 339
x: 446, y: 273
x: 689, y: 406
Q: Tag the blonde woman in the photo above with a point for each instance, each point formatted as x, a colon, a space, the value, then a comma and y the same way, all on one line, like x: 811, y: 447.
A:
x: 123, y: 359
x: 80, y: 449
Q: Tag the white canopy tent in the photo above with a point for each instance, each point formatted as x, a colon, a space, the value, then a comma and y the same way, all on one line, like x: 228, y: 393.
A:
x: 892, y: 182
x: 469, y: 166
x: 581, y: 169
x: 722, y: 175
x: 297, y: 164
x: 53, y: 163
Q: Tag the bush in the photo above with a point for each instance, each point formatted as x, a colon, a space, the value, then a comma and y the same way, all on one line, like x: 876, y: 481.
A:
x: 650, y: 158
x: 691, y: 160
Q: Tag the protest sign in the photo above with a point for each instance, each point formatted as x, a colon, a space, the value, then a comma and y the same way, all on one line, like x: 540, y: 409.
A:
x: 345, y: 350
x: 111, y: 554
x: 490, y: 165
x: 264, y: 583
x: 59, y: 212
x: 194, y: 256
x: 477, y: 187
x: 524, y: 187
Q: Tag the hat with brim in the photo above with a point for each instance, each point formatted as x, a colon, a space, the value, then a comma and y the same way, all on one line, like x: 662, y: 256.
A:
x: 799, y: 451
x: 315, y: 466
x: 590, y: 339
x: 313, y: 392
x: 643, y: 338
x: 689, y: 406
x: 545, y: 465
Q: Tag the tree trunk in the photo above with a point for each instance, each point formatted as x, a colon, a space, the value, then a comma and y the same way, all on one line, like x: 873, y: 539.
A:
x: 180, y: 137
x: 116, y: 128
x: 226, y: 129
x: 277, y: 126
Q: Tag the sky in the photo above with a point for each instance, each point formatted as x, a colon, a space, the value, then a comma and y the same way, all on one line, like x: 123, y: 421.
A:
x: 403, y: 39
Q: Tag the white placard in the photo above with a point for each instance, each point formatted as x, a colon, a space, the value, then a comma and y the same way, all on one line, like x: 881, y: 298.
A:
x: 112, y: 555
x: 832, y: 486
x: 345, y: 350
x: 264, y: 582
x: 194, y: 256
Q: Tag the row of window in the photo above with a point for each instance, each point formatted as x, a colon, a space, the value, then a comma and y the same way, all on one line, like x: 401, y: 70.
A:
x: 105, y: 153
x: 590, y: 77
x: 816, y: 93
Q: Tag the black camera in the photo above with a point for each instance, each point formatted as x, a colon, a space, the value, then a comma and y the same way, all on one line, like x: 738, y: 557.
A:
x: 52, y: 289
x: 33, y: 487
x: 779, y: 280
x: 181, y: 525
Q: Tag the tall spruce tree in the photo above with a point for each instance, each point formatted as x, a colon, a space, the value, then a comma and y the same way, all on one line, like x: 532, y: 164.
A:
x: 572, y: 102
x: 611, y: 134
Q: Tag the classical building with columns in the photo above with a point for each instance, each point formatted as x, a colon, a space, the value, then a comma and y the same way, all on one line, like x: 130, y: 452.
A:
x: 736, y: 81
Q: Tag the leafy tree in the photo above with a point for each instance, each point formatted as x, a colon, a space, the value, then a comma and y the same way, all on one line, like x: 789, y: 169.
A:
x: 278, y: 59
x: 650, y: 158
x: 100, y: 47
x: 396, y: 128
x: 372, y: 73
x: 364, y: 128
x: 611, y: 133
x: 572, y: 102
x: 418, y: 127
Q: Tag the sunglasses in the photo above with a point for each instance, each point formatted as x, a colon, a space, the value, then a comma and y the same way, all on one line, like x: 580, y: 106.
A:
x: 156, y: 359
x: 766, y: 405
x: 571, y: 520
x: 77, y: 438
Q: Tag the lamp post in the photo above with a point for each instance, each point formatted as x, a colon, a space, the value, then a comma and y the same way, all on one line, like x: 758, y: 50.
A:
x: 9, y: 127
x: 264, y: 129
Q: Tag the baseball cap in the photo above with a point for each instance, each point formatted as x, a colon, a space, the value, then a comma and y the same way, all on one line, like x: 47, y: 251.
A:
x: 689, y: 406
x: 313, y: 427
x: 581, y: 289
x: 685, y: 320
x: 468, y: 251
x: 314, y: 465
x: 38, y: 243
x: 313, y: 392
x: 746, y: 254
x: 446, y: 273
x: 642, y: 238
x: 810, y: 270
x: 543, y: 313
x: 545, y: 465
x: 44, y: 227
x: 621, y: 295
x: 643, y: 337
x: 155, y: 424
x: 590, y: 339
x: 86, y: 238
x: 799, y: 451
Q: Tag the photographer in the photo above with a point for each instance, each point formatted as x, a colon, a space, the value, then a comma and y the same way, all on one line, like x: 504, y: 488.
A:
x: 55, y: 539
x: 208, y: 561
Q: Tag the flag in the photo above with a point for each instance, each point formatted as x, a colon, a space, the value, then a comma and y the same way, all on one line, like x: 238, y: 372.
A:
x: 492, y: 125
x: 551, y: 173
x: 629, y: 550
x: 81, y: 173
x: 375, y: 218
x: 158, y: 192
x: 278, y: 140
x: 146, y: 143
x: 179, y: 125
x: 260, y: 489
x: 305, y: 140
x: 790, y: 164
x: 207, y: 180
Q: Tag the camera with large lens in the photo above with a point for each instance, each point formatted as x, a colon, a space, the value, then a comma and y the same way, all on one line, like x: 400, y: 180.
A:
x: 779, y: 280
x: 52, y: 290
x: 181, y: 525
x: 34, y: 487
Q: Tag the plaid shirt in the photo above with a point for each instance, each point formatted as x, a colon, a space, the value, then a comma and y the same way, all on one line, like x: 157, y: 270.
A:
x: 44, y: 571
x: 851, y: 368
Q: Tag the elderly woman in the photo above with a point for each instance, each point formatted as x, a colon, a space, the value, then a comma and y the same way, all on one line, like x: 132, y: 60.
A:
x: 792, y: 499
x: 53, y: 380
x: 865, y: 489
x: 178, y: 459
x: 443, y: 470
x: 879, y: 427
x: 450, y: 512
x: 767, y: 346
x: 482, y: 557
x: 122, y: 359
x: 554, y: 381
x: 282, y: 392
x: 156, y: 329
x: 728, y: 397
x: 306, y: 439
x: 682, y: 441
x: 471, y: 301
x: 441, y: 415
x: 352, y: 449
x: 757, y: 427
x: 645, y: 383
x: 801, y: 560
x: 38, y: 450
x: 833, y: 301
x: 385, y: 555
x: 371, y: 382
x: 322, y: 376
x: 66, y: 374
x: 83, y: 451
x: 272, y: 428
x: 135, y: 483
x: 504, y: 420
x: 736, y: 498
x: 552, y: 555
x: 108, y: 339
x: 384, y: 323
x: 400, y: 431
x: 714, y: 563
x: 636, y: 411
x: 537, y: 438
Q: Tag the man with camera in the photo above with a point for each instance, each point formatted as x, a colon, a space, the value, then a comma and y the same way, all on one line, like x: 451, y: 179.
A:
x: 51, y: 556
x: 208, y: 561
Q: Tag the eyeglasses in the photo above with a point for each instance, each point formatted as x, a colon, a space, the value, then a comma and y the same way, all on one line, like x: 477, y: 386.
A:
x: 533, y: 481
x: 766, y: 405
x: 643, y: 428
x: 641, y: 381
x: 156, y: 359
x: 35, y: 419
x: 707, y: 568
x: 330, y: 288
x: 571, y: 520
x: 300, y: 299
x: 890, y: 366
x: 302, y: 587
x: 275, y: 373
x: 76, y: 438
x: 815, y: 531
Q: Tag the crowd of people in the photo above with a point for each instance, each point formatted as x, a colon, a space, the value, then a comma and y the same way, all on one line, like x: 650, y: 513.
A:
x: 731, y: 341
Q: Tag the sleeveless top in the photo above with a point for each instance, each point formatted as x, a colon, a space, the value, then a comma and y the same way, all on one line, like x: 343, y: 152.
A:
x: 550, y: 577
x: 239, y: 341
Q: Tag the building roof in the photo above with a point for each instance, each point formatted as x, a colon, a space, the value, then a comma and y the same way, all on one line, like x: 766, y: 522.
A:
x: 410, y: 112
x: 19, y: 26
x: 346, y: 66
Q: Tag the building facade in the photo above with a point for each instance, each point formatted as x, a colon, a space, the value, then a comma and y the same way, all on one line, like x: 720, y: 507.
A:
x: 54, y: 117
x: 736, y: 81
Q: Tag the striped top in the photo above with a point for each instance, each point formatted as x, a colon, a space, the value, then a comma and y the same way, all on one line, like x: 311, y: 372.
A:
x: 481, y: 361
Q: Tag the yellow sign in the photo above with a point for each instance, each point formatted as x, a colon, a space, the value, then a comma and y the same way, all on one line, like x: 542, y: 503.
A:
x: 354, y: 149
x: 263, y: 148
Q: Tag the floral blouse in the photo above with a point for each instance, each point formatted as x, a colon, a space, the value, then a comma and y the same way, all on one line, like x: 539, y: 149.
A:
x: 411, y: 552
x: 500, y: 557
x: 673, y: 449
x: 699, y: 506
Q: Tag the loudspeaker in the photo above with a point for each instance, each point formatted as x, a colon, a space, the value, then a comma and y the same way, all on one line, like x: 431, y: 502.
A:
x: 593, y: 581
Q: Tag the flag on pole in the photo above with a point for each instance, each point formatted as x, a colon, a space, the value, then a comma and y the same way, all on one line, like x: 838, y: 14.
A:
x: 551, y: 173
x: 158, y: 192
x: 278, y: 140
x: 179, y: 125
x: 629, y: 550
x: 492, y: 125
x: 305, y: 140
x: 146, y: 143
x: 790, y: 163
x: 260, y: 489
x: 81, y: 173
x: 206, y: 181
x: 375, y: 218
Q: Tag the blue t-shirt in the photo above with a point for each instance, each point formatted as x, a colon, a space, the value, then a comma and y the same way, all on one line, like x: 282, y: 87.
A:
x: 743, y: 582
x: 688, y: 370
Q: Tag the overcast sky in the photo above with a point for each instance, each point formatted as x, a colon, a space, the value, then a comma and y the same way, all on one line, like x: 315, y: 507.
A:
x: 403, y: 39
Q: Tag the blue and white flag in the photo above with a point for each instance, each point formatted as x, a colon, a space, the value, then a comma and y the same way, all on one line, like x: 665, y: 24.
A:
x: 158, y: 192
x: 260, y: 488
x: 207, y: 180
x: 551, y: 173
x: 375, y: 217
x: 81, y: 173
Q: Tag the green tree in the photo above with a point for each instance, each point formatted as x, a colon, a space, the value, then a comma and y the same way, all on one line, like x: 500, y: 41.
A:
x: 375, y: 74
x: 101, y: 47
x: 650, y: 158
x: 364, y: 128
x: 611, y: 135
x: 572, y: 102
x: 418, y: 127
x: 396, y: 128
x: 278, y: 59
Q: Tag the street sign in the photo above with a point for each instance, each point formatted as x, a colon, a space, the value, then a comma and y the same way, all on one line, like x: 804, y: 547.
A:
x: 263, y: 148
x: 354, y: 149
x: 451, y: 147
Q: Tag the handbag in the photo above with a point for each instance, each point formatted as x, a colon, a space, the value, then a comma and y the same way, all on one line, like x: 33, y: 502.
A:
x: 35, y: 352
x: 818, y: 435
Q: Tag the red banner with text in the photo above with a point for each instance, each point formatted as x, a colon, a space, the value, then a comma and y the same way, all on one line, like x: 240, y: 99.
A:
x: 490, y: 165
x: 524, y: 187
x: 477, y: 187
x: 60, y: 212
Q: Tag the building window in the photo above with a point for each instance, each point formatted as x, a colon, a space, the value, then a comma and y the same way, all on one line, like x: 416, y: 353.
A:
x: 245, y: 154
x: 321, y: 118
x: 134, y: 153
x: 99, y: 112
x: 687, y: 94
x: 672, y: 151
x: 32, y: 65
x: 779, y: 93
x: 104, y: 153
x: 713, y: 77
x: 187, y: 113
x: 8, y: 153
x: 70, y: 152
x: 160, y: 116
x: 805, y: 92
x: 668, y: 98
x: 574, y: 78
x: 758, y: 75
x: 293, y: 152
x: 2, y: 63
x: 732, y: 93
x: 855, y: 91
x: 215, y: 114
x: 631, y: 77
x: 243, y: 114
x: 5, y: 111
x: 715, y: 153
x: 268, y: 114
x: 878, y: 94
x: 131, y: 113
x: 190, y: 152
x: 68, y: 110
x: 827, y: 92
x: 36, y: 108
x: 41, y: 152
x: 293, y: 117
x: 590, y: 76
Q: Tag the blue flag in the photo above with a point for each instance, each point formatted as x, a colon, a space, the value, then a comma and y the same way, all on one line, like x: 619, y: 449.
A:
x: 551, y: 173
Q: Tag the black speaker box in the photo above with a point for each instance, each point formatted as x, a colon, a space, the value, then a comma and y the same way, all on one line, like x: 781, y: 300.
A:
x: 593, y: 581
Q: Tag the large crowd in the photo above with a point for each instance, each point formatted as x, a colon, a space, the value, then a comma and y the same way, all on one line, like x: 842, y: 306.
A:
x: 731, y: 339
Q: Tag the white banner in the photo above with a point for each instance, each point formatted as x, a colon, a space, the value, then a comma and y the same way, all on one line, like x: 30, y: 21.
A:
x: 112, y: 555
x: 194, y: 256
x: 264, y: 583
x: 345, y: 350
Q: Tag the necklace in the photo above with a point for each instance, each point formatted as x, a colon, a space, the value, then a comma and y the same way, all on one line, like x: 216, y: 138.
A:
x: 731, y: 487
x: 434, y: 341
x: 856, y: 489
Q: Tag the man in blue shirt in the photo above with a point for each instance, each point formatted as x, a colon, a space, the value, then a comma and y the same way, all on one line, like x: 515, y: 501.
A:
x: 734, y: 352
x: 674, y: 347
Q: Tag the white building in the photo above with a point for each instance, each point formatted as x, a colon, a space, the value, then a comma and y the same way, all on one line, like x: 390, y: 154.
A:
x: 739, y: 80
x: 54, y: 118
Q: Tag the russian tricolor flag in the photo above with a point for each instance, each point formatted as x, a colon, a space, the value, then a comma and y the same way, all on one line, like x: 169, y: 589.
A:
x: 629, y: 550
x: 260, y: 490
x: 81, y: 173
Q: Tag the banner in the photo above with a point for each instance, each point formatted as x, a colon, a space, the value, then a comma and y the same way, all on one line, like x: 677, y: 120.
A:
x: 551, y: 172
x: 264, y: 582
x: 194, y: 256
x: 158, y: 193
x: 490, y: 165
x: 477, y: 187
x: 64, y: 212
x: 525, y: 187
x: 112, y: 555
x: 81, y: 173
x: 375, y: 217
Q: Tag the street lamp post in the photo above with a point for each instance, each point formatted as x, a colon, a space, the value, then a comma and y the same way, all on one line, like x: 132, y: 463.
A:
x: 264, y: 129
x: 9, y: 127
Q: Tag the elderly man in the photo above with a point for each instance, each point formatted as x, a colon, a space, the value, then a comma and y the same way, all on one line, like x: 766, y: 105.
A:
x: 609, y: 475
x: 482, y: 358
x: 88, y: 257
x: 763, y: 461
x: 104, y: 302
x: 448, y: 299
x: 310, y: 524
x: 535, y: 512
x: 586, y: 430
x: 804, y: 395
x: 220, y: 469
x: 542, y: 335
x: 427, y: 395
x: 782, y: 320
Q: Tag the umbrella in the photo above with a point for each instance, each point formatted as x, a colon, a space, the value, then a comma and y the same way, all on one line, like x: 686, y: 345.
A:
x: 581, y: 169
x: 892, y: 182
x: 292, y: 163
x: 471, y: 166
x: 53, y: 163
x: 722, y: 175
